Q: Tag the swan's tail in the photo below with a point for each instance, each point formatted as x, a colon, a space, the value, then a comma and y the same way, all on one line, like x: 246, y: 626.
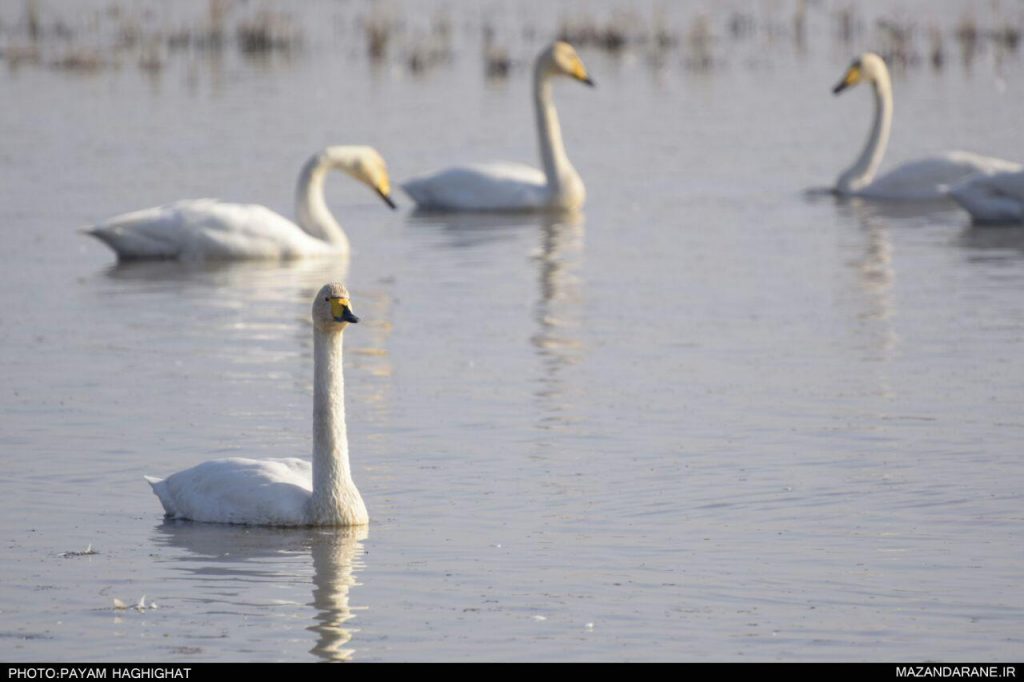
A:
x: 160, y: 490
x: 131, y: 244
x: 982, y: 197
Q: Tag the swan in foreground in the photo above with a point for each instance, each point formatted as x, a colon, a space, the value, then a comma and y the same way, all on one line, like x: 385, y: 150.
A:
x: 928, y: 178
x: 504, y: 186
x: 195, y: 229
x: 995, y: 198
x: 284, y: 492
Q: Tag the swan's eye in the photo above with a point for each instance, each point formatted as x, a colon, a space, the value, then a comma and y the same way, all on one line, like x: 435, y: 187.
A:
x: 327, y: 298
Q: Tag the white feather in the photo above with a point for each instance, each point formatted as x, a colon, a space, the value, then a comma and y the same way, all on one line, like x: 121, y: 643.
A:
x: 484, y: 187
x: 195, y: 229
x: 993, y: 198
x: 933, y: 177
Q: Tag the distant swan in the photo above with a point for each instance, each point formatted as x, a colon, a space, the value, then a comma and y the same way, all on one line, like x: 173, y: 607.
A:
x: 285, y: 492
x: 195, y: 229
x: 995, y: 198
x: 504, y: 186
x: 928, y: 178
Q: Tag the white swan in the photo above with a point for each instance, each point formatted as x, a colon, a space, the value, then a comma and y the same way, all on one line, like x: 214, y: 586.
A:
x: 995, y: 198
x: 928, y: 178
x: 212, y: 229
x: 507, y: 186
x: 285, y: 492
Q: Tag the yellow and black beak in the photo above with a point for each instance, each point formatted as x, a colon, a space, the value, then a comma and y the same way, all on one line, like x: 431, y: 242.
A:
x: 341, y: 312
x: 382, y: 186
x: 386, y: 196
x: 579, y: 72
x: 852, y: 77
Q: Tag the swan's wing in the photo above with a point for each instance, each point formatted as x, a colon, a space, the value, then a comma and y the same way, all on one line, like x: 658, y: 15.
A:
x: 229, y: 231
x: 237, y: 490
x: 205, y: 228
x: 149, y: 233
x: 932, y: 177
x: 481, y: 187
x: 976, y: 163
x: 996, y: 198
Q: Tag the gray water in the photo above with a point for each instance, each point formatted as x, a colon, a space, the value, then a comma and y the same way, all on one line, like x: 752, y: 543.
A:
x: 715, y: 417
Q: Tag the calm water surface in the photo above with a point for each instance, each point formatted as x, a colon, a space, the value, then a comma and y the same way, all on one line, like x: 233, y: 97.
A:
x: 713, y: 417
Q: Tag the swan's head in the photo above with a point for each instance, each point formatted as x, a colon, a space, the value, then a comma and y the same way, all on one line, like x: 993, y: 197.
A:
x: 364, y: 164
x: 867, y: 67
x: 332, y: 310
x: 561, y: 59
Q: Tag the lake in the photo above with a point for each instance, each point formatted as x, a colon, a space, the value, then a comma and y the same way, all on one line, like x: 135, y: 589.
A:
x: 713, y: 417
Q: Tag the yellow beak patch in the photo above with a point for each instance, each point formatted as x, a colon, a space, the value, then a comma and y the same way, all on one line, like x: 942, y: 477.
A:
x: 852, y: 76
x: 579, y: 71
x: 338, y: 306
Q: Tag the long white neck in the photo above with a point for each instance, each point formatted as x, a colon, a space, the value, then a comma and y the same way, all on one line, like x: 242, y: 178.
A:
x: 562, y: 179
x: 335, y: 500
x: 311, y: 210
x: 862, y: 172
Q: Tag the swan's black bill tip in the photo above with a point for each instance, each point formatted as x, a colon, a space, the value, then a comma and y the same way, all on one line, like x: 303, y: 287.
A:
x: 387, y: 200
x: 589, y: 81
x: 347, y: 316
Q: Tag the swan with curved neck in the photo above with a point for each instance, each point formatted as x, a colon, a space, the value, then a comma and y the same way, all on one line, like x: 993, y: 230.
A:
x: 195, y: 229
x: 928, y: 178
x: 285, y: 492
x: 509, y: 186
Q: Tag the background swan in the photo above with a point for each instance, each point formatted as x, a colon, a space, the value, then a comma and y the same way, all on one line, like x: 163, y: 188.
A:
x: 928, y: 178
x: 285, y: 492
x: 995, y: 198
x: 209, y: 228
x: 506, y: 186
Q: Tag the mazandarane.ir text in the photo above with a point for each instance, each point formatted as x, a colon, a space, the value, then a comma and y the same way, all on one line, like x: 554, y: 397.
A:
x: 944, y: 671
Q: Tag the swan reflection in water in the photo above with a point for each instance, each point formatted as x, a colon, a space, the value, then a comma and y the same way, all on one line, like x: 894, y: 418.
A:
x: 265, y: 298
x: 557, y: 258
x: 876, y: 311
x: 992, y: 243
x: 558, y: 308
x: 476, y: 229
x: 261, y: 281
x: 239, y: 568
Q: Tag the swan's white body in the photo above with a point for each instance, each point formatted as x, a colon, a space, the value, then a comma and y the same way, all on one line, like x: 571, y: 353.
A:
x: 211, y: 229
x: 199, y: 229
x: 497, y: 186
x: 506, y: 186
x: 284, y: 492
x: 933, y: 177
x: 929, y: 178
x: 222, y: 491
x: 995, y: 198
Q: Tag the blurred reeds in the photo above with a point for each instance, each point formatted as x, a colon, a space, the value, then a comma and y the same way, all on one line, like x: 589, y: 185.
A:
x: 504, y: 36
